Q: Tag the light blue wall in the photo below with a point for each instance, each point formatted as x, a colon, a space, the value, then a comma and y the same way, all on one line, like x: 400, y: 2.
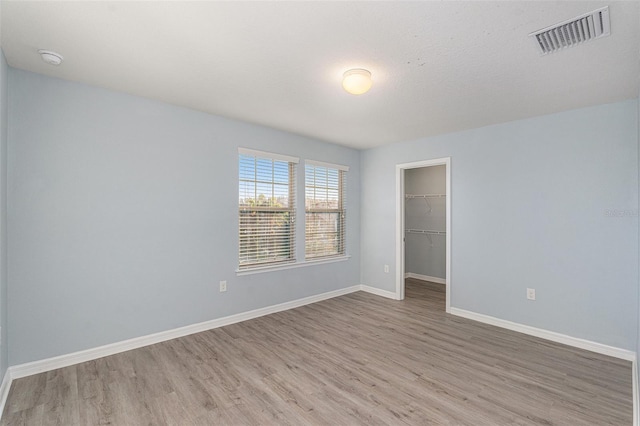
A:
x: 114, y: 202
x: 529, y: 209
x: 123, y: 215
x: 4, y: 356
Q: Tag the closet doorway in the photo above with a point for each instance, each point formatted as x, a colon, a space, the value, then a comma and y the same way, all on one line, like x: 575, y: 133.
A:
x: 423, y: 224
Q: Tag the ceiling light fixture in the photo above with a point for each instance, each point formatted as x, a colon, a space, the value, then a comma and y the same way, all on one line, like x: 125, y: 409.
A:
x: 356, y: 81
x: 52, y: 58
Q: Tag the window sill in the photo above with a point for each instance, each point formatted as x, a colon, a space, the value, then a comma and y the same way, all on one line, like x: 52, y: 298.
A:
x: 262, y: 269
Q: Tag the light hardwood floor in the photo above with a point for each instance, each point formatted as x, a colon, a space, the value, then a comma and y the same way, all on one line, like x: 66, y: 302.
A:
x: 355, y: 359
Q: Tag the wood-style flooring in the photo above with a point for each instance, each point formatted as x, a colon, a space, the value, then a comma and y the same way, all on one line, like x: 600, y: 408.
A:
x: 356, y: 359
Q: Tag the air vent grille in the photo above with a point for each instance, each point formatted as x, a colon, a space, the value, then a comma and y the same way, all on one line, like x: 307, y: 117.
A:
x: 570, y: 33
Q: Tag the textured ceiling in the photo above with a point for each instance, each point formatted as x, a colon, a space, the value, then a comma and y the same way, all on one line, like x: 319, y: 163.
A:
x: 437, y: 67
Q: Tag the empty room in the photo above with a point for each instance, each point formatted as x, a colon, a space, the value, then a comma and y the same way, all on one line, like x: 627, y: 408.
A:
x: 319, y: 212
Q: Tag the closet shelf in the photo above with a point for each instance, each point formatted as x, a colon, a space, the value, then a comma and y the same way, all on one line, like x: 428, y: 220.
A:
x: 425, y: 197
x: 409, y: 196
x: 425, y: 231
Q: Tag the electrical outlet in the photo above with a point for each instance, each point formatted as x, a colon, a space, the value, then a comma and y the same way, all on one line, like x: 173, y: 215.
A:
x: 223, y: 286
x: 386, y: 269
x: 531, y: 293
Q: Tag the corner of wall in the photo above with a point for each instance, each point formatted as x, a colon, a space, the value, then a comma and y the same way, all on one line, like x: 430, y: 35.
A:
x: 636, y: 373
x: 4, y: 69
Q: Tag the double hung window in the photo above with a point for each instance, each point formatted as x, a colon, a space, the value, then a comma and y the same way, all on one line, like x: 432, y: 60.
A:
x: 266, y: 208
x: 325, y: 210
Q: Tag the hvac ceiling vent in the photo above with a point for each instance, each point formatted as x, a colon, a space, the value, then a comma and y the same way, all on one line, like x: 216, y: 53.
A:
x: 574, y: 31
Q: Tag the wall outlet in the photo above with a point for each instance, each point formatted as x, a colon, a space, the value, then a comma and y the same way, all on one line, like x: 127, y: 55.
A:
x: 223, y: 286
x: 531, y: 293
x: 386, y: 269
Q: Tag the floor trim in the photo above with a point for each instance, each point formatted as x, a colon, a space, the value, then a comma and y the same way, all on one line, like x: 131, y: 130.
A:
x: 549, y: 335
x: 35, y: 367
x: 379, y: 292
x: 425, y: 278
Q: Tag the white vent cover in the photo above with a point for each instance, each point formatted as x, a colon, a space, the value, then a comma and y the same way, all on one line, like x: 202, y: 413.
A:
x: 574, y: 31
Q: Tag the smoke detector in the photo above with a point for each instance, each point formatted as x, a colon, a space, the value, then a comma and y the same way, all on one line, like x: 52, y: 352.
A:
x: 51, y: 58
x: 583, y: 28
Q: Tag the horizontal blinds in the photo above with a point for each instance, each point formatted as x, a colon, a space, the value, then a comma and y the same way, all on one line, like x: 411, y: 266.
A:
x: 325, y: 210
x: 266, y: 209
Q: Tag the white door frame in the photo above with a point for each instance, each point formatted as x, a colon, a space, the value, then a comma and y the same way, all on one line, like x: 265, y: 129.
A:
x: 400, y: 168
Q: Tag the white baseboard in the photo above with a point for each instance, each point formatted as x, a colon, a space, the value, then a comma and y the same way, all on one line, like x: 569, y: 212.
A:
x: 425, y: 278
x: 35, y: 367
x: 549, y: 335
x: 379, y: 292
x: 634, y: 387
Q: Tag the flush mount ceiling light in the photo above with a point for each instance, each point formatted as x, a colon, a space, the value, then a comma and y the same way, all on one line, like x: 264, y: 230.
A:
x: 52, y: 58
x: 356, y: 81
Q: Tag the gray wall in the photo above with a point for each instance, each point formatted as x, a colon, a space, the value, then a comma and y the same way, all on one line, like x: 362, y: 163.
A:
x: 426, y: 255
x: 546, y: 202
x: 4, y: 355
x: 123, y: 216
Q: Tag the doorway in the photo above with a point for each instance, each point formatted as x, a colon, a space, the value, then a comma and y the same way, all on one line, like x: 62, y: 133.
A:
x: 441, y: 232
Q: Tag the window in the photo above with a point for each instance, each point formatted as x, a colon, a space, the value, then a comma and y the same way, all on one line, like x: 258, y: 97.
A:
x: 266, y: 208
x: 325, y: 212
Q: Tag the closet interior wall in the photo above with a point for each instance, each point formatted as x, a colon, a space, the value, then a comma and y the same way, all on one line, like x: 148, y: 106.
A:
x: 425, y: 222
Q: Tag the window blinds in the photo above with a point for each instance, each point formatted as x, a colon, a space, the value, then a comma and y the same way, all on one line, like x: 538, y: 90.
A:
x: 325, y: 210
x: 266, y: 208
